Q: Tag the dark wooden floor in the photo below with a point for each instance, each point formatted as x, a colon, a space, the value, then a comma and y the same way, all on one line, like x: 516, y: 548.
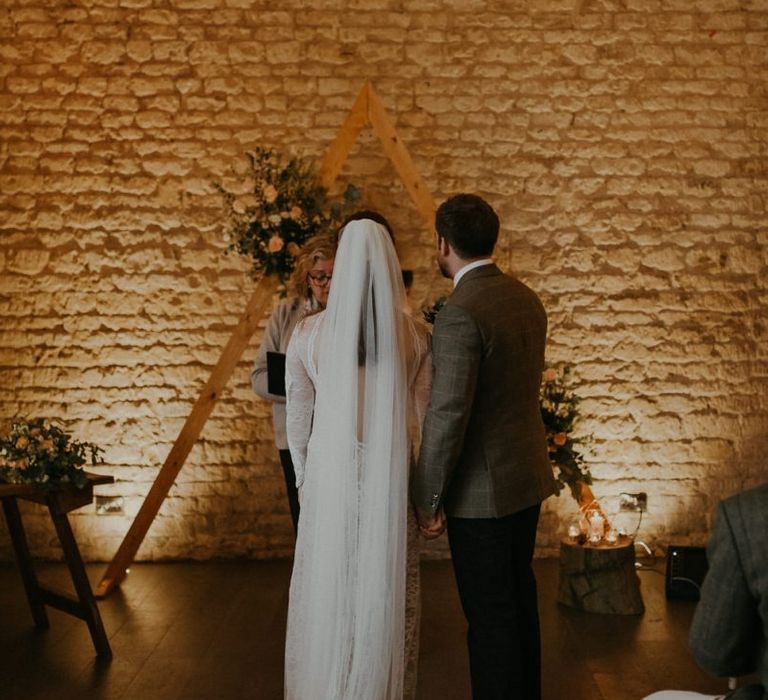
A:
x: 216, y: 630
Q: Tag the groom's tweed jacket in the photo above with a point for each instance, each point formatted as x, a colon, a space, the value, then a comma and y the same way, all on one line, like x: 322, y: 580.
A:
x: 483, y: 451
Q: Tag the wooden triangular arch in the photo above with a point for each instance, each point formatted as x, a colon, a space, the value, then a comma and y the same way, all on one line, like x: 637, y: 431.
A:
x: 367, y: 110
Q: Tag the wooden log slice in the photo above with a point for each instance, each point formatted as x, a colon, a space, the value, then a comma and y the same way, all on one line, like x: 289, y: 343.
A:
x: 600, y: 578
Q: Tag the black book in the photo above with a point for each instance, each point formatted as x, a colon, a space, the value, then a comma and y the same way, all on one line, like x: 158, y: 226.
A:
x: 276, y: 373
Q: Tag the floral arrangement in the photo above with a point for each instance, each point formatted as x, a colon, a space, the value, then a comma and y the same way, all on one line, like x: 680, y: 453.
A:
x: 560, y: 412
x: 286, y: 207
x: 38, y: 452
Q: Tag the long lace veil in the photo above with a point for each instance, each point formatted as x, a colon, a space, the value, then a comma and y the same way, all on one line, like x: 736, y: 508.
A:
x: 346, y: 621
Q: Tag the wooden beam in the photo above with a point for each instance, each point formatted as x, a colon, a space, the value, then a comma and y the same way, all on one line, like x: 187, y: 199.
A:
x: 345, y: 139
x: 401, y: 159
x: 260, y: 300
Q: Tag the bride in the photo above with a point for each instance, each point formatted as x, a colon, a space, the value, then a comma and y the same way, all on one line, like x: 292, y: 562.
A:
x: 357, y: 381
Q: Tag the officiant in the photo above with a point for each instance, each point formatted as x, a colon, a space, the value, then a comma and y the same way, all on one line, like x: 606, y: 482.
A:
x: 310, y: 285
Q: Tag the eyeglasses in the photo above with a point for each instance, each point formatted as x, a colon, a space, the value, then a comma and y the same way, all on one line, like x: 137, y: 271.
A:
x: 319, y: 277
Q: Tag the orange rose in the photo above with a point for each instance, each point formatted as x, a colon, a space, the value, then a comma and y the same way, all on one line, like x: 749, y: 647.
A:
x: 46, y: 444
x: 293, y: 249
x: 549, y: 375
x: 22, y: 442
x: 270, y: 193
x: 275, y: 244
x: 559, y: 439
x: 296, y: 212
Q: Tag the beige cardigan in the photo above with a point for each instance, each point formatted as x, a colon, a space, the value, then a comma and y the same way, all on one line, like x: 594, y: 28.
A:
x: 276, y: 337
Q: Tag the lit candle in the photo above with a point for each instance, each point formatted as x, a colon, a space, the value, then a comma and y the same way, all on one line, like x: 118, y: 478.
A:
x: 596, y: 527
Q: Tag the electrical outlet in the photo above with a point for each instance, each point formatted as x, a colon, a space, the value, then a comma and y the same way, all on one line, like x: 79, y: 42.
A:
x: 109, y: 505
x: 635, y: 502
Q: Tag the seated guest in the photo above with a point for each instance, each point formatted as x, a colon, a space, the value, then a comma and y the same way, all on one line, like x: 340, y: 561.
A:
x: 729, y: 632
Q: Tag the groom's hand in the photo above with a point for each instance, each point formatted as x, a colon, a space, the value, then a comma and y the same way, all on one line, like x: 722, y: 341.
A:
x: 431, y: 526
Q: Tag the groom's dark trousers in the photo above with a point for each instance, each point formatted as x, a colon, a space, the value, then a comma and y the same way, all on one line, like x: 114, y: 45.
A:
x: 484, y: 462
x: 492, y: 561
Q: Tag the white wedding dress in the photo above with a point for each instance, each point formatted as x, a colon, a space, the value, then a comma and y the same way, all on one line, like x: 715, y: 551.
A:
x: 357, y: 378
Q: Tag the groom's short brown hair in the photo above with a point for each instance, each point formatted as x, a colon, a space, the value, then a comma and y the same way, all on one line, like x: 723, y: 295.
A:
x: 469, y: 224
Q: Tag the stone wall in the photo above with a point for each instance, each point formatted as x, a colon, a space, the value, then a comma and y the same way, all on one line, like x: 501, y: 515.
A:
x: 623, y: 143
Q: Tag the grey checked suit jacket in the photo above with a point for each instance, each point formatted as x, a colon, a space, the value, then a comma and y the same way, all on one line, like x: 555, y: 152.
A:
x: 483, y: 451
x: 729, y: 632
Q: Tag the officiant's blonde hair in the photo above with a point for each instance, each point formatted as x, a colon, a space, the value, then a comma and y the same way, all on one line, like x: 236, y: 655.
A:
x: 322, y: 247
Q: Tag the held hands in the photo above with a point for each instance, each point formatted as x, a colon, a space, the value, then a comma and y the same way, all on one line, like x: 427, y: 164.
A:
x: 431, y: 526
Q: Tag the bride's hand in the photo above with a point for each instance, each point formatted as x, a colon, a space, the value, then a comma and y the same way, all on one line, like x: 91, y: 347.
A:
x: 431, y: 526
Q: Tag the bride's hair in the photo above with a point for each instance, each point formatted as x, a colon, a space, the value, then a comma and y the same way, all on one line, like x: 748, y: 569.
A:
x: 362, y: 347
x: 371, y: 214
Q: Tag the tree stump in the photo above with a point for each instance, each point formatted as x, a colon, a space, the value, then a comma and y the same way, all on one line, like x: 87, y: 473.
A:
x: 600, y: 578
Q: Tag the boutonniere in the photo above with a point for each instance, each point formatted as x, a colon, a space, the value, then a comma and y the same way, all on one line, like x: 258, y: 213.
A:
x: 430, y: 312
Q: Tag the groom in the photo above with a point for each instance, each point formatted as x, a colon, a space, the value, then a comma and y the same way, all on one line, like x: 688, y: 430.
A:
x: 484, y: 461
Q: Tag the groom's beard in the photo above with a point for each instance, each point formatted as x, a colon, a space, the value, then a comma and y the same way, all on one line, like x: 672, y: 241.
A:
x: 444, y: 271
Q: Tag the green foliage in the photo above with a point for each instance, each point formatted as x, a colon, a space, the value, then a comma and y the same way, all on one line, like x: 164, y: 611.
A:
x: 37, y: 452
x: 286, y: 207
x: 560, y: 412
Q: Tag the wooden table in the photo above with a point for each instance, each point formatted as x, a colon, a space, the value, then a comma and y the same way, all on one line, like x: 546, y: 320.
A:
x: 59, y: 502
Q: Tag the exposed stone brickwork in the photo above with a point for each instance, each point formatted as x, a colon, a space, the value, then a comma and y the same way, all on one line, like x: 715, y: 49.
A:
x: 623, y: 144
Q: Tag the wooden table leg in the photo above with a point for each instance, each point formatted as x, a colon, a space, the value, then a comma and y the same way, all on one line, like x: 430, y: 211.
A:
x: 23, y: 557
x: 79, y: 578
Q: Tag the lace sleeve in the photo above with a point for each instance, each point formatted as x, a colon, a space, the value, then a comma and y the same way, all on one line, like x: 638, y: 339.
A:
x: 423, y: 383
x: 300, y: 397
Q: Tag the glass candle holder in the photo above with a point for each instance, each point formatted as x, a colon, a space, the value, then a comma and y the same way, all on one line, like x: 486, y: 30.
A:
x: 596, y: 527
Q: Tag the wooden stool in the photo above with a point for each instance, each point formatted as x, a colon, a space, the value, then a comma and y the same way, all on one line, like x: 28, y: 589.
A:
x: 59, y: 502
x: 600, y: 578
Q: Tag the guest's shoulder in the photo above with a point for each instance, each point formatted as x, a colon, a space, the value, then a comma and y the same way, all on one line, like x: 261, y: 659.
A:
x: 750, y: 503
